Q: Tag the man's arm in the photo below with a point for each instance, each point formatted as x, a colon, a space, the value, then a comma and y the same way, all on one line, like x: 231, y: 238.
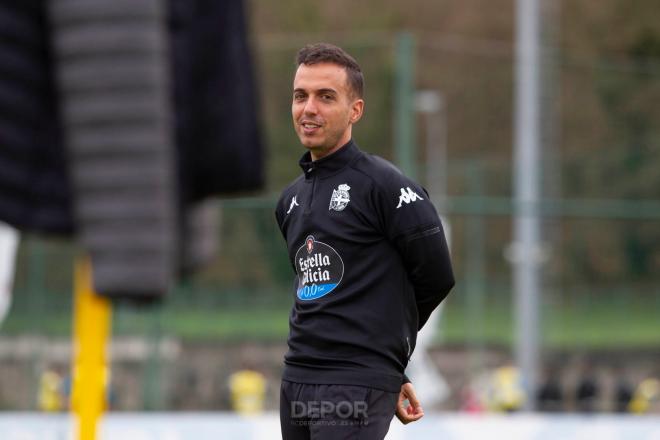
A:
x: 411, y: 222
x: 426, y: 258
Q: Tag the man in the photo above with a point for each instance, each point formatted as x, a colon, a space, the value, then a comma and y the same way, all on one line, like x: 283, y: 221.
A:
x: 371, y: 264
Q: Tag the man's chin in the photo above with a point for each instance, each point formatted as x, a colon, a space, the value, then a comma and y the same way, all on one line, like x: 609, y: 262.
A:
x: 310, y: 144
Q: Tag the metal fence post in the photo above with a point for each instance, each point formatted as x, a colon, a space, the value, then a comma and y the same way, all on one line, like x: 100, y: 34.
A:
x: 404, y: 108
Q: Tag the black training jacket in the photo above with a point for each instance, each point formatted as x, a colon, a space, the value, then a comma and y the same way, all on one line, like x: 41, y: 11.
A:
x: 371, y: 264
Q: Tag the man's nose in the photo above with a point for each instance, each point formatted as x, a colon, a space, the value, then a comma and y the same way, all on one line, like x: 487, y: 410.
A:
x: 310, y: 106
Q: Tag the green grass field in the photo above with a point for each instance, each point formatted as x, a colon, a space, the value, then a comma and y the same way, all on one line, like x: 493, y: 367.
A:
x: 578, y: 326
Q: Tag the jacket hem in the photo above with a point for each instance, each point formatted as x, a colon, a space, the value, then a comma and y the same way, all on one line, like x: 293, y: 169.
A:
x: 321, y: 376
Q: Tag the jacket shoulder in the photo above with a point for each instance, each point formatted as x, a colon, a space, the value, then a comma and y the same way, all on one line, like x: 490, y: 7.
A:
x: 291, y: 187
x: 286, y: 194
x: 377, y: 169
x: 385, y: 176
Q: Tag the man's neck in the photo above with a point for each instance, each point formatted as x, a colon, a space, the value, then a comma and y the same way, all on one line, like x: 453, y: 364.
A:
x: 316, y: 155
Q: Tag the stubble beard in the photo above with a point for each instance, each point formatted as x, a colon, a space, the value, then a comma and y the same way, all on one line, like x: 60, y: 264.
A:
x: 324, y: 147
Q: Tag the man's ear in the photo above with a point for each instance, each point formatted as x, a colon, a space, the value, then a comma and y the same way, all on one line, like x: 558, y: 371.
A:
x: 356, y: 110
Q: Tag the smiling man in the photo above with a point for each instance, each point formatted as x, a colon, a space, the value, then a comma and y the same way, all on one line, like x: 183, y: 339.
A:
x: 370, y: 260
x: 327, y: 101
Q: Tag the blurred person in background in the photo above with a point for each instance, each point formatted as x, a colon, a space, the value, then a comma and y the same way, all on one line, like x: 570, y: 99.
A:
x: 51, y: 396
x: 247, y: 388
x: 623, y: 391
x: 505, y: 391
x: 587, y: 391
x: 647, y: 397
x: 371, y: 264
x: 550, y: 397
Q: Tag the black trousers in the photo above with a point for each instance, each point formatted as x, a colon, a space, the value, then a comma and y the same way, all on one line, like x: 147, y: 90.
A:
x: 335, y: 412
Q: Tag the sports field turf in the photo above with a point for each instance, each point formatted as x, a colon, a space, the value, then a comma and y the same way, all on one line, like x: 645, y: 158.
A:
x: 579, y: 325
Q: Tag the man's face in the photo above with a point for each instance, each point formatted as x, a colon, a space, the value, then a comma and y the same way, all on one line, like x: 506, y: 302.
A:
x: 323, y: 108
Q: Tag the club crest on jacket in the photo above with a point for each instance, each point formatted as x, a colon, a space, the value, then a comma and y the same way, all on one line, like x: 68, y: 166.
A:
x: 340, y: 197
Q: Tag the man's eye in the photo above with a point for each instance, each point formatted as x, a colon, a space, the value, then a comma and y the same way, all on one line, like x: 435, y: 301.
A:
x: 327, y: 97
x: 298, y: 96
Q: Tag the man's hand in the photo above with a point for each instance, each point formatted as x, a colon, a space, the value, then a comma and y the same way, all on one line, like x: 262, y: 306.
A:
x: 412, y: 412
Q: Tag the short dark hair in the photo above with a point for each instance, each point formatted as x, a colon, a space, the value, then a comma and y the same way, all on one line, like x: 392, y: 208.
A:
x: 329, y: 53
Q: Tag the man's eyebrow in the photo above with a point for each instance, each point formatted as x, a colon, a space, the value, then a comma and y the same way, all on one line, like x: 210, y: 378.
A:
x: 319, y: 91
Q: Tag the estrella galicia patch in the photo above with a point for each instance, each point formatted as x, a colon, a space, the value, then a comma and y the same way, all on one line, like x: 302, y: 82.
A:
x: 320, y: 269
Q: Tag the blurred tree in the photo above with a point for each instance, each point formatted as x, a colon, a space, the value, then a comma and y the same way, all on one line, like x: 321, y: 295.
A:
x: 628, y: 100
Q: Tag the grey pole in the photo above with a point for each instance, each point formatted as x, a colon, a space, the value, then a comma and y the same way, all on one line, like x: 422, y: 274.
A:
x: 526, y: 247
x: 431, y: 104
x: 432, y: 388
x: 9, y: 240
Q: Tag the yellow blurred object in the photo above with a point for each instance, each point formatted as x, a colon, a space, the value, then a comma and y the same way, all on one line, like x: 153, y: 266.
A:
x: 50, y: 396
x: 91, y: 333
x: 248, y: 389
x: 647, y: 391
x: 506, y: 392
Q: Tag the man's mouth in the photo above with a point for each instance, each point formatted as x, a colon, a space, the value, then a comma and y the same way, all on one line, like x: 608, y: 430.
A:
x: 309, y: 128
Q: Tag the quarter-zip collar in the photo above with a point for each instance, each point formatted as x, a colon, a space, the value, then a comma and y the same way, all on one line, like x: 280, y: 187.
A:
x: 329, y: 164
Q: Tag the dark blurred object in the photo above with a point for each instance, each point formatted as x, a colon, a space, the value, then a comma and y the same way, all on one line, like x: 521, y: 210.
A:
x: 139, y: 170
x: 113, y: 77
x: 217, y: 129
x: 587, y: 392
x: 215, y: 98
x: 550, y: 397
x: 623, y: 394
x: 34, y: 187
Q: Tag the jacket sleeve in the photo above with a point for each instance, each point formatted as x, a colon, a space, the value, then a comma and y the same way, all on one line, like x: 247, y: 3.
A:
x: 412, y: 224
x: 426, y: 257
x: 279, y: 215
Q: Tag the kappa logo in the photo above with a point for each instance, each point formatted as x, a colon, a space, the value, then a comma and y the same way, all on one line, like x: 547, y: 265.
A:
x: 340, y: 197
x: 407, y: 196
x: 293, y: 204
